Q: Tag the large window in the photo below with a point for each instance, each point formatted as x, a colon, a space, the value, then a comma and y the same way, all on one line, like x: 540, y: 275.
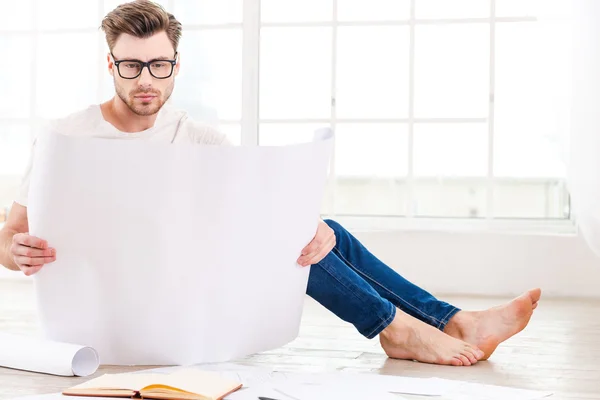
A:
x: 441, y: 108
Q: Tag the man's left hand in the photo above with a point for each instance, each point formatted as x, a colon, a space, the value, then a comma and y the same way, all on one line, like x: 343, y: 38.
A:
x: 319, y: 247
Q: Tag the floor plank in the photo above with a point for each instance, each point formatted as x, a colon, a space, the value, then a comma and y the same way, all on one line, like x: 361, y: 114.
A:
x: 559, y: 351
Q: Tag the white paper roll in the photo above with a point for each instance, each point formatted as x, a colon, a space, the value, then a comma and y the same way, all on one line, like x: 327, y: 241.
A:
x: 34, y: 354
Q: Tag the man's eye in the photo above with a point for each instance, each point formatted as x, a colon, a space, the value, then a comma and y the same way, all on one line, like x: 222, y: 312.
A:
x: 159, y: 65
x: 131, y: 65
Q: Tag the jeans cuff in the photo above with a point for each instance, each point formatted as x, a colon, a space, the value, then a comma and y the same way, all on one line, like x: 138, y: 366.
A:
x: 444, y: 321
x: 381, y: 324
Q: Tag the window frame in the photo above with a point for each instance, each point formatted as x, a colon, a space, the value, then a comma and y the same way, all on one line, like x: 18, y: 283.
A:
x: 250, y: 116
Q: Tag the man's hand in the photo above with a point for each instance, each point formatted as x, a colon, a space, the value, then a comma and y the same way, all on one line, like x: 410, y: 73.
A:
x: 31, y: 253
x: 319, y: 247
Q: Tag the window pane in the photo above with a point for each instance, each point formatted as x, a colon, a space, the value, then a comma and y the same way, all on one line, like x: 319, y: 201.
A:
x: 208, y: 11
x: 373, y: 10
x: 452, y: 71
x: 66, y: 88
x: 110, y: 5
x: 295, y: 73
x: 465, y: 198
x: 67, y: 14
x: 372, y: 72
x: 286, y: 134
x: 15, y: 148
x: 296, y: 11
x: 15, y: 76
x: 452, y: 8
x: 233, y: 132
x: 450, y: 149
x: 371, y: 150
x: 209, y: 84
x: 535, y: 198
x: 531, y: 154
x: 518, y: 8
x: 20, y: 15
x: 531, y: 118
x: 370, y: 196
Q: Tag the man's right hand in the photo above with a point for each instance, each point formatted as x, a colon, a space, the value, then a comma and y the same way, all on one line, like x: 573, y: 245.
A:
x: 31, y: 253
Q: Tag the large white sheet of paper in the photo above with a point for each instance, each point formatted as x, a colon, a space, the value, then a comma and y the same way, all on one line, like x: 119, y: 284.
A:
x: 35, y: 354
x: 174, y: 254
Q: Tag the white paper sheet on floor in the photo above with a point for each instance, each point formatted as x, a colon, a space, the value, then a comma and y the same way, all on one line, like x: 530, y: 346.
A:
x: 352, y: 386
x: 266, y: 381
x: 172, y: 254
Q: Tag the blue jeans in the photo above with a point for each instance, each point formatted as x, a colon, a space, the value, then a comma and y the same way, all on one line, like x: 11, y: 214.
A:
x: 360, y: 289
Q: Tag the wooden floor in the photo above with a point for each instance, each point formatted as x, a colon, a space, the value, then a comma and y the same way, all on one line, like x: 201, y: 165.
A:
x: 559, y: 351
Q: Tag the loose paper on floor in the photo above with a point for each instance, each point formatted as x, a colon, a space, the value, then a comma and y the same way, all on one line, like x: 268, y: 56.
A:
x: 352, y: 386
x: 173, y: 254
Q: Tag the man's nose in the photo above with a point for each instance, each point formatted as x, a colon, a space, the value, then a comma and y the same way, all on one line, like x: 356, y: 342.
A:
x: 145, y: 79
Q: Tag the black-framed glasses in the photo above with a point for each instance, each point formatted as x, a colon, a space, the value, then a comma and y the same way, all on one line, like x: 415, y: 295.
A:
x: 131, y: 69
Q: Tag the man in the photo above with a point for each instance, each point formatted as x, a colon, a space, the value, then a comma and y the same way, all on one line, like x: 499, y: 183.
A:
x: 345, y: 277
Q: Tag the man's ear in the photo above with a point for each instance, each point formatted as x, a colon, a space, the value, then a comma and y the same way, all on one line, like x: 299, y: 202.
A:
x: 111, y: 64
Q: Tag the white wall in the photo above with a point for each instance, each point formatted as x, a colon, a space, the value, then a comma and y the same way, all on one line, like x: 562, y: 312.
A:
x: 584, y: 165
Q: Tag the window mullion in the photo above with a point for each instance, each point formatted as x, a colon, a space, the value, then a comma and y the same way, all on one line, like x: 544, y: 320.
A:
x: 492, y: 70
x: 410, y: 185
x: 33, y: 77
x: 333, y: 180
x: 250, y: 72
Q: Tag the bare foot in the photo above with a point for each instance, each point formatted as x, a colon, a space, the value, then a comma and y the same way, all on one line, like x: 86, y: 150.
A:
x: 408, y: 338
x: 487, y: 329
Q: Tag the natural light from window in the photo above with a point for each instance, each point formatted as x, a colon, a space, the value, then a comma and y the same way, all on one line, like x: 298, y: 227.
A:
x: 441, y: 109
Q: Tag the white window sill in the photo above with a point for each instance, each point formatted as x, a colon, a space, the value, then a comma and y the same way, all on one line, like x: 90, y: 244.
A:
x: 541, y: 227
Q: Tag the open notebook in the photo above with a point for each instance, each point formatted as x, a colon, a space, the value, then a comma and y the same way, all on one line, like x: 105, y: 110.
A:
x: 184, y: 384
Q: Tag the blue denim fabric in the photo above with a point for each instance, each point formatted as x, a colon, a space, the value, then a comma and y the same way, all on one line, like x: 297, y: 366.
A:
x: 360, y: 289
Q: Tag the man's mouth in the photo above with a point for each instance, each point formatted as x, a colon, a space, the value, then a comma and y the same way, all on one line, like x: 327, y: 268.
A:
x: 145, y: 97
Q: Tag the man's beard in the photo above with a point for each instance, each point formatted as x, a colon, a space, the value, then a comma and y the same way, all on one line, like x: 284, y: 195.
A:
x: 144, y: 109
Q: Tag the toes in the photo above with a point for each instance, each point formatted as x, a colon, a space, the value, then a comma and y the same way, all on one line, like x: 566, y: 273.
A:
x: 535, y: 294
x: 475, y: 352
x: 470, y: 356
x: 457, y: 362
x: 465, y: 360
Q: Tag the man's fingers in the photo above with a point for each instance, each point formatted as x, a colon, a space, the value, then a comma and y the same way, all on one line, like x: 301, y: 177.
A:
x: 317, y: 256
x: 308, y: 258
x: 312, y: 247
x: 305, y: 258
x: 20, y: 250
x: 29, y: 270
x: 31, y: 241
x: 323, y: 251
x: 34, y: 261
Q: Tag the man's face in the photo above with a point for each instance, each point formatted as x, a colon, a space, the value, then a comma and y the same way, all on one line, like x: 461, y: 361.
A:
x: 144, y: 95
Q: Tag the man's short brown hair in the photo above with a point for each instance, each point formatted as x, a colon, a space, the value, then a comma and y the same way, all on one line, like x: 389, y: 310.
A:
x: 142, y: 19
